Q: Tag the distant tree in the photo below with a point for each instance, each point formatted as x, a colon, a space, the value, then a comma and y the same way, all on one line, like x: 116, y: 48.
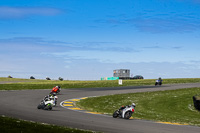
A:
x: 32, y: 77
x: 10, y: 76
x: 47, y: 78
x: 61, y: 79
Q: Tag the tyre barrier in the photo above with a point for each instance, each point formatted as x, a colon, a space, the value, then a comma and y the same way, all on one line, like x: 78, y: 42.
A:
x: 196, y: 101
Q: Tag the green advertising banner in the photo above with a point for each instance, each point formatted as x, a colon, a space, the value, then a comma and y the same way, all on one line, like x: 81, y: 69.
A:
x: 110, y: 78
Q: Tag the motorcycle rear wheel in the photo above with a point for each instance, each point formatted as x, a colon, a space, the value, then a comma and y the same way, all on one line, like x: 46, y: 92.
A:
x: 47, y: 107
x: 128, y: 115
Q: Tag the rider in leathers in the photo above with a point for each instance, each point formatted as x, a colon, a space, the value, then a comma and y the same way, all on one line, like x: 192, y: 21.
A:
x: 123, y: 107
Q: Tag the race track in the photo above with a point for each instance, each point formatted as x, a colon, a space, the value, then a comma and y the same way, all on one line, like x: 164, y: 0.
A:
x: 23, y: 105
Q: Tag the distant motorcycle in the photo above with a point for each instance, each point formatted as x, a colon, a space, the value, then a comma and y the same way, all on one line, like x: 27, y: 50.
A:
x: 56, y: 90
x: 158, y: 82
x: 124, y: 112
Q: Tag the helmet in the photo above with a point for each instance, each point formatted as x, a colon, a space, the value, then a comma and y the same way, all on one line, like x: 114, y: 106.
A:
x: 58, y: 87
x: 51, y: 98
x: 133, y: 104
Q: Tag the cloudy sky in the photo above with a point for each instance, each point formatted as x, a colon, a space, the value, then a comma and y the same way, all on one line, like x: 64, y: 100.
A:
x: 88, y: 39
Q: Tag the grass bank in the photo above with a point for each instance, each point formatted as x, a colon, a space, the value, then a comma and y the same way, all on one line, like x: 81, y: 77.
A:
x: 11, y: 125
x: 46, y: 84
x: 174, y: 106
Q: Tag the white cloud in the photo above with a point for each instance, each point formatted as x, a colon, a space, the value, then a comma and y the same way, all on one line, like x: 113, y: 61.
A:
x: 7, y: 12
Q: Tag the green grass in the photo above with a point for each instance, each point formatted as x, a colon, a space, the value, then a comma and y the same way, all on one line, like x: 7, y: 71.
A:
x: 13, y: 79
x: 11, y: 125
x: 171, y: 106
x: 174, y: 106
x: 46, y: 84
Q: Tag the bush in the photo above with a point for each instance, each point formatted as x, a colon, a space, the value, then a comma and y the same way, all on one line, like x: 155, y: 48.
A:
x: 47, y: 78
x: 61, y: 79
x: 32, y: 77
x: 10, y: 76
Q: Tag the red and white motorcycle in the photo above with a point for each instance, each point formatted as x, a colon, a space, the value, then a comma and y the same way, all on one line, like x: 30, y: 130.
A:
x: 125, y: 112
x: 56, y: 90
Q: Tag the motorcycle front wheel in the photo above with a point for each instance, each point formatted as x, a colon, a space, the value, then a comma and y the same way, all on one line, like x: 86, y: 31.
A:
x: 115, y: 114
x: 39, y: 106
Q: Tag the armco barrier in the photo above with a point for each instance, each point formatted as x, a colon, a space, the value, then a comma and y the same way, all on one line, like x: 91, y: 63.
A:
x: 196, y: 101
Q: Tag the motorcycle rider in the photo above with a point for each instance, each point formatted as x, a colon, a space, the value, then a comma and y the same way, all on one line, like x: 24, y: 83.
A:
x: 127, y: 106
x: 56, y: 89
x: 46, y: 98
x: 51, y: 97
x: 160, y: 79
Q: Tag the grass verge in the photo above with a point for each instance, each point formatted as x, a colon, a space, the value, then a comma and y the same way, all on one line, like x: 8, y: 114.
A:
x: 44, y: 84
x: 11, y: 125
x: 174, y: 106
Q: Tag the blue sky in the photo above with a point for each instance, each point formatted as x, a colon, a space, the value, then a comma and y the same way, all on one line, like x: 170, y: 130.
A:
x: 88, y: 39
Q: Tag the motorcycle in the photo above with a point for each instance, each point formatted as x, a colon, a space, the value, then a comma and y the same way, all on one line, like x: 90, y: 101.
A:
x: 158, y: 82
x: 51, y: 97
x: 125, y: 112
x: 47, y: 103
x: 56, y: 90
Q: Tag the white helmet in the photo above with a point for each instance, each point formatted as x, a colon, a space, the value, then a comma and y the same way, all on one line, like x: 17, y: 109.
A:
x: 58, y: 87
x: 51, y: 98
x: 133, y: 104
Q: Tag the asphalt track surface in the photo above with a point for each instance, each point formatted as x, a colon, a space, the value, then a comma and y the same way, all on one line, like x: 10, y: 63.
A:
x: 23, y: 104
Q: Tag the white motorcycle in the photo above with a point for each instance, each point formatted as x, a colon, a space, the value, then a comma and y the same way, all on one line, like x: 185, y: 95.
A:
x: 124, y: 112
x: 158, y: 81
x: 48, y: 103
